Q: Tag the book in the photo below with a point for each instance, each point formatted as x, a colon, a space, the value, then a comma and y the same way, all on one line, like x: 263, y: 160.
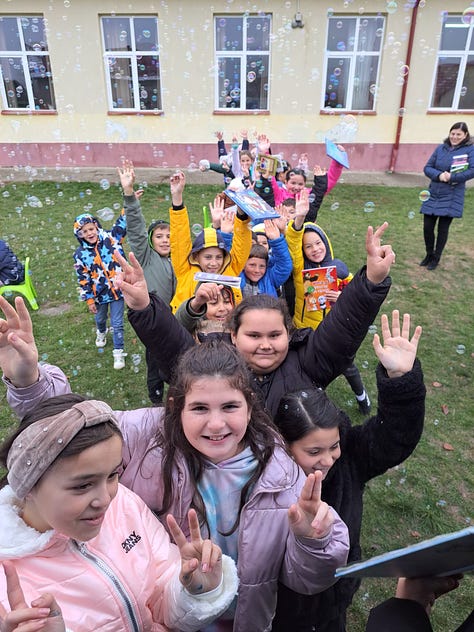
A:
x: 445, y: 554
x: 460, y: 163
x: 316, y: 283
x: 336, y: 154
x: 266, y: 164
x: 252, y: 204
x: 220, y: 279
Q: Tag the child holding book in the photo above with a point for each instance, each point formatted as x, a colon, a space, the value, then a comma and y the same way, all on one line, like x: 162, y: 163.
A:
x: 311, y: 251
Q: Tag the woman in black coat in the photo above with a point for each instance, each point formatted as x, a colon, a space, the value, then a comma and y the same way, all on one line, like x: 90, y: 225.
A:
x: 449, y: 168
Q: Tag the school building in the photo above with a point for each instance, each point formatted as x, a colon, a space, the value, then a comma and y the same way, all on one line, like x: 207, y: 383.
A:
x: 87, y: 82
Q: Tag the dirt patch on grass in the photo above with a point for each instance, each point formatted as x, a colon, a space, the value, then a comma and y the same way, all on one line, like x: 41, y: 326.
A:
x: 55, y: 310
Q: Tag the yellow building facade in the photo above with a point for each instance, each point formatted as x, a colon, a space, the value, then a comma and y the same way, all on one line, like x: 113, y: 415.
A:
x: 86, y: 83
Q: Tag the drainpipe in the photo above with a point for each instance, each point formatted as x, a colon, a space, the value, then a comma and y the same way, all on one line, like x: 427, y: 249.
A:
x: 396, y: 144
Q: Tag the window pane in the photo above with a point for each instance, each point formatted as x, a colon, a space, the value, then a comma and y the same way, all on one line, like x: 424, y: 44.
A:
x: 364, y: 87
x: 9, y: 36
x: 14, y: 82
x: 257, y: 83
x: 370, y: 34
x: 454, y: 34
x: 149, y: 82
x: 258, y: 33
x: 146, y: 34
x: 445, y: 83
x: 41, y: 81
x: 117, y: 34
x: 336, y: 83
x: 120, y: 71
x: 229, y: 82
x: 33, y: 34
x: 229, y: 34
x: 466, y: 99
x: 341, y: 34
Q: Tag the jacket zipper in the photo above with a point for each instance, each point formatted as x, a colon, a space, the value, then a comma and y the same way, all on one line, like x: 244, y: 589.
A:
x: 118, y: 586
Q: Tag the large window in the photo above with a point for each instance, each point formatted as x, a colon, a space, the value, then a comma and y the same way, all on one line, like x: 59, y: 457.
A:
x: 352, y: 62
x: 132, y: 63
x: 453, y: 87
x: 24, y: 64
x: 242, y: 61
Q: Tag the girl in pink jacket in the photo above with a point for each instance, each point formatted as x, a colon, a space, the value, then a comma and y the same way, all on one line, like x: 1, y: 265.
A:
x: 80, y: 551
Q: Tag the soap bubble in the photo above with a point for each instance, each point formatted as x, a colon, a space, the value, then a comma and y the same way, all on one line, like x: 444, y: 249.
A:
x: 334, y: 206
x: 106, y: 214
x: 369, y: 207
x: 372, y: 329
x: 392, y: 6
x: 468, y: 16
x: 411, y: 214
x: 424, y: 195
x: 104, y: 184
x: 460, y: 349
x: 196, y: 229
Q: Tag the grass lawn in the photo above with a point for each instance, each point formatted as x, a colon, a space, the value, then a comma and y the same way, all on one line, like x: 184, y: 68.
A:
x: 432, y: 492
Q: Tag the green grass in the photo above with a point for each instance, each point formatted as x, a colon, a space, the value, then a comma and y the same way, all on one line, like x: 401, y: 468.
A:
x: 432, y: 492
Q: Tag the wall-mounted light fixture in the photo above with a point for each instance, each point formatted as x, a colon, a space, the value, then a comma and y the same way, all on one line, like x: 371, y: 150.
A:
x: 297, y: 22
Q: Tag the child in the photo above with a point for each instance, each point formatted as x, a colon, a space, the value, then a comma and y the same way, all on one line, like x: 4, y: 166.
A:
x: 208, y: 252
x: 224, y: 165
x: 12, y: 271
x: 96, y: 266
x: 321, y: 438
x: 257, y: 276
x: 152, y: 248
x: 310, y: 248
x: 88, y: 552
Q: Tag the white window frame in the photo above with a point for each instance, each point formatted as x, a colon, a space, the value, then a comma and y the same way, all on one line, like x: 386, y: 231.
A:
x: 133, y: 55
x: 25, y: 55
x: 464, y: 54
x: 352, y: 57
x: 242, y: 54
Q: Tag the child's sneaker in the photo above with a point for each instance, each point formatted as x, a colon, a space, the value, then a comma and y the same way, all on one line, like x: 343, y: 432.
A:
x: 101, y: 338
x: 364, y: 405
x: 119, y: 358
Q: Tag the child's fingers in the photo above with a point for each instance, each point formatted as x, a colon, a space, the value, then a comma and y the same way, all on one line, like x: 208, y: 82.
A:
x: 16, y: 599
x: 416, y: 335
x: 175, y: 530
x: 406, y: 326
x: 194, y: 528
x: 206, y: 556
x: 396, y: 323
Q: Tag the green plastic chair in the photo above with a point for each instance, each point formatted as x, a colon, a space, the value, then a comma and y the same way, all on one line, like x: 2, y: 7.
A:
x: 26, y: 288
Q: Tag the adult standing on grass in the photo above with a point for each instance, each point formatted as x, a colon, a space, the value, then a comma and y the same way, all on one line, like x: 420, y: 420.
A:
x: 449, y: 168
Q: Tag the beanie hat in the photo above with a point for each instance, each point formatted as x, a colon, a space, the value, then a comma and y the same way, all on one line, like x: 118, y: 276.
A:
x: 83, y: 219
x: 209, y: 238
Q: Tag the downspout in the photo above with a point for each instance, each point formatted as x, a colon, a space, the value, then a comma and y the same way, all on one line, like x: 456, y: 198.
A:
x: 396, y: 144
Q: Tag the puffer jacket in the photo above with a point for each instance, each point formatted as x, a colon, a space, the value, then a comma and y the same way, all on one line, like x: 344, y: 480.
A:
x: 303, y: 317
x: 158, y: 271
x: 11, y: 270
x: 302, y: 564
x: 333, y: 175
x: 184, y: 263
x: 314, y: 358
x: 95, y: 264
x: 124, y: 579
x: 447, y: 198
x: 277, y: 272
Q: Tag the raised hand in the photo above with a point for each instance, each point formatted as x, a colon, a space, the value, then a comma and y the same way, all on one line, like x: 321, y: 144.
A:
x: 219, y: 135
x: 217, y: 210
x: 319, y: 171
x: 205, y: 293
x: 44, y: 613
x: 272, y: 230
x: 301, y: 208
x: 201, y: 560
x: 177, y: 182
x: 379, y: 258
x: 310, y: 517
x: 263, y: 144
x: 227, y: 221
x: 131, y: 281
x: 127, y: 177
x: 398, y: 352
x: 18, y: 352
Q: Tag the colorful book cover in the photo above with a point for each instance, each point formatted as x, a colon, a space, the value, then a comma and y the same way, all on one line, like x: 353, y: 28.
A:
x: 266, y: 164
x: 336, y: 154
x: 316, y: 283
x: 460, y: 163
x: 446, y: 554
x: 252, y: 204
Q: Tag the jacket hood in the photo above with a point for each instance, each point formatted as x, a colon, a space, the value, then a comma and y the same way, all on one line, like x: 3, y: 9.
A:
x: 341, y: 267
x: 209, y: 238
x: 79, y: 222
x: 151, y: 228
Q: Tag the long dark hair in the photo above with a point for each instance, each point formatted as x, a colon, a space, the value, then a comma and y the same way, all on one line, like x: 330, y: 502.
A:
x: 303, y: 411
x: 463, y: 127
x: 210, y: 359
x: 85, y: 438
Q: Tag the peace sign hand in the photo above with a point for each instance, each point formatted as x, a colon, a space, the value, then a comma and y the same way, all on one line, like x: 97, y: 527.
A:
x: 310, y: 517
x: 201, y: 560
x: 44, y: 613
